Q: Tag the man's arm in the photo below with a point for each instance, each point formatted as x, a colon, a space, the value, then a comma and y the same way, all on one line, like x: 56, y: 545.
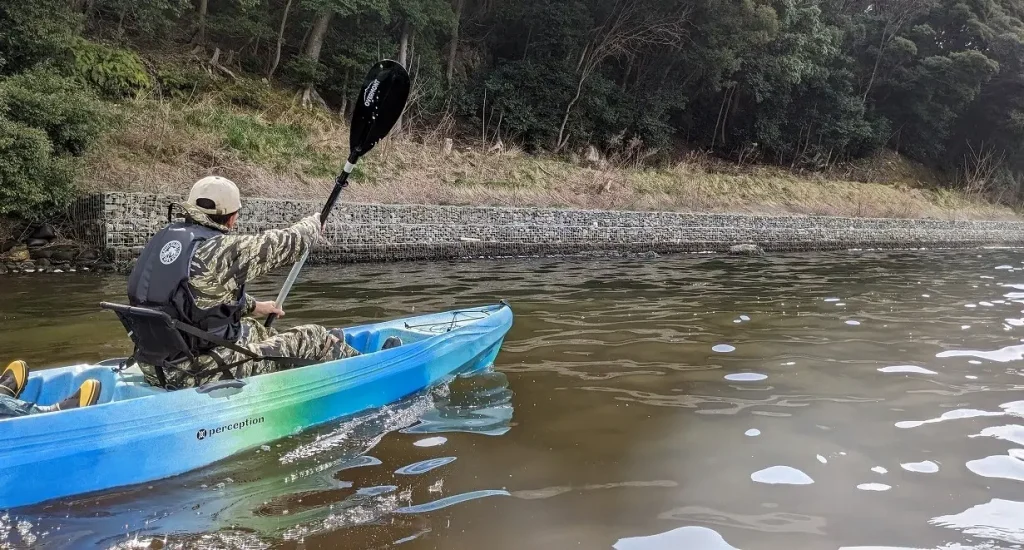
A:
x: 257, y: 255
x: 229, y: 261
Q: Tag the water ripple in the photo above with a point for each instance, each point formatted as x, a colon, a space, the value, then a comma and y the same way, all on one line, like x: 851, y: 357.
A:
x: 449, y: 501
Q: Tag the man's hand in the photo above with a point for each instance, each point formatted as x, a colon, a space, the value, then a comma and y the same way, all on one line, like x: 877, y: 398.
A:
x: 266, y: 308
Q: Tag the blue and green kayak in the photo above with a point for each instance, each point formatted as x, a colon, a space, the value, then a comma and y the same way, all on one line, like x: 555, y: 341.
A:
x: 138, y: 433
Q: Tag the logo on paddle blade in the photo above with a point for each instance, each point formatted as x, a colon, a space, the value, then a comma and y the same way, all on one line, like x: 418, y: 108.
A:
x: 170, y: 252
x: 371, y: 92
x: 201, y: 434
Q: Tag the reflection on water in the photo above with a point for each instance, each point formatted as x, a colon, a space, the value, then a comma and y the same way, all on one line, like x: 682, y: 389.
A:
x: 316, y: 483
x: 821, y: 401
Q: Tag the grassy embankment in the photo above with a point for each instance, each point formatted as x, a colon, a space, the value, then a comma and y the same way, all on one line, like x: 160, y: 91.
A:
x: 274, y: 148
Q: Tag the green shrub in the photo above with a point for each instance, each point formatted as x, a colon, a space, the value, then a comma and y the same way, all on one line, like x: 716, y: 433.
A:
x: 34, y: 31
x: 71, y: 117
x: 183, y: 81
x: 249, y: 94
x: 45, y: 122
x: 115, y: 72
x: 34, y: 182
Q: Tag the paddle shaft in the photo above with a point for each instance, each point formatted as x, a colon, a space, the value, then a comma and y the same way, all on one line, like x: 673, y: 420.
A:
x: 339, y: 183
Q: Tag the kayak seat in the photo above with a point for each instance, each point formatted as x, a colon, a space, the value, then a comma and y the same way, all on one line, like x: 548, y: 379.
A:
x: 159, y: 341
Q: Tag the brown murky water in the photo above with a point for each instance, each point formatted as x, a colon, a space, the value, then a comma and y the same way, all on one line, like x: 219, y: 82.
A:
x: 845, y: 400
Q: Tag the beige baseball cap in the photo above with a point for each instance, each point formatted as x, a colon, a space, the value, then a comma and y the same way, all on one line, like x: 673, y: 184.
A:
x: 221, y: 191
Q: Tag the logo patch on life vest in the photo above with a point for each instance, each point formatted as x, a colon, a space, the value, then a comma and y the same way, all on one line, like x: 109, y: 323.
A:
x: 170, y: 252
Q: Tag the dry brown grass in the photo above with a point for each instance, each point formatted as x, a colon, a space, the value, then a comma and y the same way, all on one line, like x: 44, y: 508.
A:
x: 165, y: 146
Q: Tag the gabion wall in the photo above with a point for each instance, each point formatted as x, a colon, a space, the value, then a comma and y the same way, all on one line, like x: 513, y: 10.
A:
x: 121, y: 223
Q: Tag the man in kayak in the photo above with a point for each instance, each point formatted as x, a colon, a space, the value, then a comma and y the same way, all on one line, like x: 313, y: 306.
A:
x: 12, y: 383
x: 205, y: 289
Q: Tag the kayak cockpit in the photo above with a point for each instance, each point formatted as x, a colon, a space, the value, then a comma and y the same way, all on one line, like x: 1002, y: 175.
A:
x: 46, y: 387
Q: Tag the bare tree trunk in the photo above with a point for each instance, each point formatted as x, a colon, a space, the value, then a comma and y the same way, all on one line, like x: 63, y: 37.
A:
x: 403, y: 45
x: 403, y: 58
x: 316, y: 43
x: 201, y: 33
x: 874, y: 71
x: 454, y: 46
x: 562, y: 137
x: 629, y: 70
x: 280, y: 40
x: 343, y: 112
x: 317, y: 35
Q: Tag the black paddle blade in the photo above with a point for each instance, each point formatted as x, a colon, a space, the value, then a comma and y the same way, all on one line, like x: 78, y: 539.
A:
x: 380, y: 103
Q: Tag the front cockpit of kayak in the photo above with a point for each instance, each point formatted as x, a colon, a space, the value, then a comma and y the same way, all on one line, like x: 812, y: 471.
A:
x: 49, y: 386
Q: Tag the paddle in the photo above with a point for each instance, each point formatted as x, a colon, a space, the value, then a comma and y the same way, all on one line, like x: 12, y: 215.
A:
x: 380, y: 103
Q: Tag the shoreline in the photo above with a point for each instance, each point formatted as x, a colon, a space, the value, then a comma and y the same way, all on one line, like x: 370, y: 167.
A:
x: 117, y: 226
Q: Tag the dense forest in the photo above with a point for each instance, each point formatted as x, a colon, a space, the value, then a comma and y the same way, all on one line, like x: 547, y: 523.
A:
x: 797, y: 83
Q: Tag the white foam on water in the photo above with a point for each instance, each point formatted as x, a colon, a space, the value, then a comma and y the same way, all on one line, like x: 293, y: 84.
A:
x: 951, y: 546
x: 837, y: 299
x: 908, y: 369
x: 822, y: 459
x: 1000, y: 466
x: 997, y: 519
x: 926, y: 295
x: 924, y: 467
x: 723, y: 348
x: 970, y: 377
x: 879, y: 470
x: 1002, y: 355
x: 838, y: 304
x: 1013, y: 408
x: 431, y: 442
x: 746, y: 377
x: 1010, y: 432
x: 998, y: 301
x: 690, y: 536
x: 965, y: 327
x: 781, y: 475
x: 970, y: 305
x: 752, y: 432
x: 873, y: 487
x: 1015, y: 322
x: 956, y: 414
x: 986, y: 304
x: 1004, y: 266
x: 853, y: 323
x: 974, y: 362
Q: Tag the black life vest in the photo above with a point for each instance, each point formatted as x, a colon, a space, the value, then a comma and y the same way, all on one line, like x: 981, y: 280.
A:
x: 160, y: 280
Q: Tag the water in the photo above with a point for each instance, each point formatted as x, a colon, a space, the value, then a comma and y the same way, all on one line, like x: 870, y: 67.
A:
x: 702, y: 402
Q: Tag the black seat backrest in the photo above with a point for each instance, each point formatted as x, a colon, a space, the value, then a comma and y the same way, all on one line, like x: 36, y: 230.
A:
x: 157, y: 341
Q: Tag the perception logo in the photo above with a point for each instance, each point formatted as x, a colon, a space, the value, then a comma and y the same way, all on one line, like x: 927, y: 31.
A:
x: 204, y: 433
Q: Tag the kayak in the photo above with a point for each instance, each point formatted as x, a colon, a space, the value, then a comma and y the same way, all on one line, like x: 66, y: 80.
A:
x: 139, y: 433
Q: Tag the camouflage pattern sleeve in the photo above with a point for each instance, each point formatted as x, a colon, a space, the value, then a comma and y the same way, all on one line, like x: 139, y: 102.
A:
x: 222, y: 264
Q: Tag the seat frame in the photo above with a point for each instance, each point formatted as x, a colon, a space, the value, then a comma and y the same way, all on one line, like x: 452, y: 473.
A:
x: 152, y: 330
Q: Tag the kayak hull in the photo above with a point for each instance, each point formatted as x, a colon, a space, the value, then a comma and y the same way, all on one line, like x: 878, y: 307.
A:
x: 138, y: 434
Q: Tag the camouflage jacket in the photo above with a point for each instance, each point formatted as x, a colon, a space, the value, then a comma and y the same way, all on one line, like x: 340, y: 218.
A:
x: 221, y: 265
